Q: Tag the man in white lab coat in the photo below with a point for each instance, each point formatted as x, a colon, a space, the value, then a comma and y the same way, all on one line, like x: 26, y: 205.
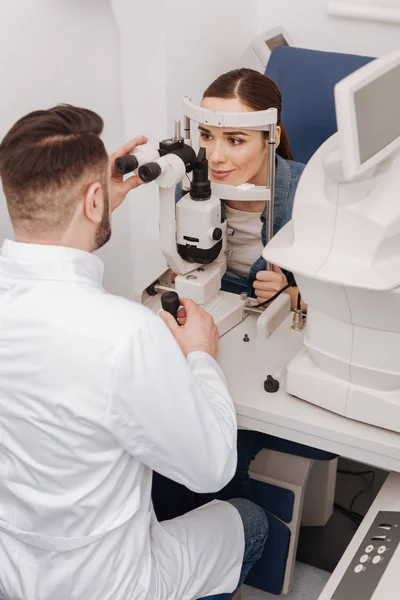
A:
x: 95, y: 393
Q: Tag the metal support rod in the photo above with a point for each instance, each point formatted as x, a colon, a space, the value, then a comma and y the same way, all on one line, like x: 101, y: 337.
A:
x: 162, y: 288
x: 271, y: 185
x: 187, y: 128
x: 249, y: 309
x: 177, y: 130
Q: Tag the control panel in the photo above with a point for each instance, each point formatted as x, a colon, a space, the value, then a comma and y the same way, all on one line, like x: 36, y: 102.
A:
x: 371, y: 559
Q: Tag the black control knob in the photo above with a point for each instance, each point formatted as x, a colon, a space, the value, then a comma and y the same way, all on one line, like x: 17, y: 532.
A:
x: 217, y: 234
x: 200, y: 186
x: 149, y: 172
x: 170, y: 303
x: 271, y: 385
x: 126, y: 164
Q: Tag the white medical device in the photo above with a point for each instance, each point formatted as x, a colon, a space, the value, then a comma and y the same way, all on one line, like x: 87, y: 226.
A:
x: 369, y: 568
x: 343, y: 247
x: 192, y: 230
x: 257, y: 54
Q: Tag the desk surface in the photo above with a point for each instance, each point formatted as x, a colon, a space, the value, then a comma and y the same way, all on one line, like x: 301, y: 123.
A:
x: 246, y: 366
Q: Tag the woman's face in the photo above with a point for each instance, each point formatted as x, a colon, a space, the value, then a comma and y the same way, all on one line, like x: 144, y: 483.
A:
x: 234, y: 156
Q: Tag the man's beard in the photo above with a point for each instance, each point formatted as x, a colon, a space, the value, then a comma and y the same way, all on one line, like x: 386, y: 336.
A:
x: 103, y: 232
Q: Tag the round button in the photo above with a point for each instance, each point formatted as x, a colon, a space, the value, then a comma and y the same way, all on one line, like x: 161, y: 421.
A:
x: 217, y: 233
x: 358, y: 569
x: 376, y: 559
x: 364, y: 558
x: 381, y: 549
x: 369, y: 548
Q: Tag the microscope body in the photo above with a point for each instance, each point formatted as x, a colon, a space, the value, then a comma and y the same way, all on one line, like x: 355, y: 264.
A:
x: 193, y: 231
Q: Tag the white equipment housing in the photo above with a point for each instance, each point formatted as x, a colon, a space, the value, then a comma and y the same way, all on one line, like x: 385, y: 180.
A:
x: 343, y: 247
x: 257, y: 54
x: 199, y: 221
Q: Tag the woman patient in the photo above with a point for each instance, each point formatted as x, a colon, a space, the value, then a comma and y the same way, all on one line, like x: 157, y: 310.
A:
x: 234, y: 158
x: 237, y: 157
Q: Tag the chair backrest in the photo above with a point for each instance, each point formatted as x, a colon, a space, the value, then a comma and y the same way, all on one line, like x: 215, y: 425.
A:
x: 306, y: 79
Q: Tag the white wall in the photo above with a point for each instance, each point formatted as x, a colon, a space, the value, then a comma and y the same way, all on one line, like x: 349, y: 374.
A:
x: 132, y: 61
x: 210, y: 37
x: 144, y: 97
x: 64, y: 51
x: 310, y: 26
x: 132, y: 67
x: 171, y: 49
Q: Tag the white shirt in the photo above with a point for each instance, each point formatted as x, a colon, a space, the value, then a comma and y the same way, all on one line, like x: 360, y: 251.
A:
x: 94, y: 394
x: 245, y: 246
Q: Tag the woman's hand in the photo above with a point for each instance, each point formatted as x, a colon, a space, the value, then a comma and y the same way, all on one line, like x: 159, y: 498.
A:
x: 268, y: 283
x: 118, y: 187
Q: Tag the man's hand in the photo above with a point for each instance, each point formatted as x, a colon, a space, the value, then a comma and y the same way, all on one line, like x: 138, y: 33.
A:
x: 198, y: 330
x: 118, y: 187
x: 268, y: 283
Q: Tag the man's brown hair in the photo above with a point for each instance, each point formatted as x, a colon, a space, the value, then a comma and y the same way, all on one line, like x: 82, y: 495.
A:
x: 45, y: 160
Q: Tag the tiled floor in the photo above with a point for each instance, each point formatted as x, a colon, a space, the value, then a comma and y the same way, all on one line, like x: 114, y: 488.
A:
x: 308, y: 583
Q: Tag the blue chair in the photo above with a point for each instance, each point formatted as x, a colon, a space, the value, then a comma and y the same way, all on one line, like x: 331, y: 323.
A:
x: 306, y: 79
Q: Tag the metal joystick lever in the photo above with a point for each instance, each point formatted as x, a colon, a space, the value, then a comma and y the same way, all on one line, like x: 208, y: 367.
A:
x: 171, y: 303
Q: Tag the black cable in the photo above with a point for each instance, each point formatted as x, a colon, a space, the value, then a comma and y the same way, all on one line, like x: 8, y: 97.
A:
x: 285, y: 287
x: 350, y: 512
x: 353, y: 516
x: 362, y: 474
x: 358, y: 495
x: 345, y: 472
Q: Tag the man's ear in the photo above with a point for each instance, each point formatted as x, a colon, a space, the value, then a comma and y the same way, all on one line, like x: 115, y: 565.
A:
x: 93, y: 202
x: 278, y: 136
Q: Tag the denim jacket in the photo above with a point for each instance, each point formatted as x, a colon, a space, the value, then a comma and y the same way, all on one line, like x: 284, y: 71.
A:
x: 286, y: 179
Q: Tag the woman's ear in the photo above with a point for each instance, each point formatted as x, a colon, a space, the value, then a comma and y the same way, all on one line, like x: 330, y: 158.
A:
x: 278, y: 136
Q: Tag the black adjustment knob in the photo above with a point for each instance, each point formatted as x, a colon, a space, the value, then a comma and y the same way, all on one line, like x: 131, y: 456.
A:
x: 200, y: 186
x: 126, y: 164
x: 217, y: 234
x: 170, y: 303
x: 271, y: 385
x: 149, y: 172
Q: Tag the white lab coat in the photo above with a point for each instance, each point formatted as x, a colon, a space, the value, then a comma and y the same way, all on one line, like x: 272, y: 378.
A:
x: 95, y: 394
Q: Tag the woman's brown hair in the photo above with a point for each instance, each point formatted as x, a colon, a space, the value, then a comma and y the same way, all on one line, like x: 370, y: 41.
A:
x: 256, y: 91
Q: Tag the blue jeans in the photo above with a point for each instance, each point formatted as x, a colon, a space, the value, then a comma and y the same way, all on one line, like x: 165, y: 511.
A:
x: 255, y: 525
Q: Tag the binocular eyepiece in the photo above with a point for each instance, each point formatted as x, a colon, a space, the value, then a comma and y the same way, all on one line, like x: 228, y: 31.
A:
x: 141, y: 155
x: 145, y: 159
x: 149, y: 172
x: 126, y: 164
x: 129, y: 163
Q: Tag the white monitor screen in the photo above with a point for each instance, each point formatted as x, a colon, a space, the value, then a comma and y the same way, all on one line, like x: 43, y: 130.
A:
x: 277, y: 40
x: 377, y: 112
x: 368, y: 114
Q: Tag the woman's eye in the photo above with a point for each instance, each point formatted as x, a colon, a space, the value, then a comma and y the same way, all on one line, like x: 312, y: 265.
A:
x: 205, y: 136
x: 235, y: 141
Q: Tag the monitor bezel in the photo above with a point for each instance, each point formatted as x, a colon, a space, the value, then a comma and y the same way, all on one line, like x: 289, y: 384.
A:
x: 345, y: 91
